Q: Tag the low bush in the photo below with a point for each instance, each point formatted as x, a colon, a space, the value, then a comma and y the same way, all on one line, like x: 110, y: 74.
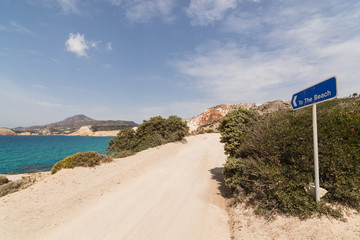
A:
x: 121, y: 146
x: 233, y: 128
x: 272, y: 160
x: 14, y: 186
x: 81, y: 159
x: 10, y: 187
x: 152, y: 133
x: 3, y: 179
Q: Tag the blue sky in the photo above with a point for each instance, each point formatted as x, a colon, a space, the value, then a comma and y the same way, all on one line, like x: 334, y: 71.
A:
x: 133, y: 59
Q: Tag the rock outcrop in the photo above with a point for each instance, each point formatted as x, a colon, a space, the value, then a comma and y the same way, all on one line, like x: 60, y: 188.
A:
x: 210, y: 119
x: 86, y: 131
x: 273, y: 106
x: 6, y: 131
x: 83, y: 131
x: 24, y: 134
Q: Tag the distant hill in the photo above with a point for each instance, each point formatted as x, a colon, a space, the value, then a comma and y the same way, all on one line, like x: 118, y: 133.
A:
x: 74, y: 120
x: 82, y: 120
x: 73, y: 124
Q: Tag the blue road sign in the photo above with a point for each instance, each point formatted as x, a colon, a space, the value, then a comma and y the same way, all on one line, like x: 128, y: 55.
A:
x: 320, y: 92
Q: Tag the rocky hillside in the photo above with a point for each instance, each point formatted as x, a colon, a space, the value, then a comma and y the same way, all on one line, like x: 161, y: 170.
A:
x: 6, y: 131
x: 73, y: 124
x: 77, y: 120
x: 210, y: 119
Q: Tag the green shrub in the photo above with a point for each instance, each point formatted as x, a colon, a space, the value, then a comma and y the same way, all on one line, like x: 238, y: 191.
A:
x: 149, y: 134
x: 274, y: 160
x: 121, y: 145
x: 3, y: 180
x: 233, y: 128
x: 81, y: 159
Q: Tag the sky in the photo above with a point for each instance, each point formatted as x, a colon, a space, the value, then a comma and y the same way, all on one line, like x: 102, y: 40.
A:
x: 134, y: 59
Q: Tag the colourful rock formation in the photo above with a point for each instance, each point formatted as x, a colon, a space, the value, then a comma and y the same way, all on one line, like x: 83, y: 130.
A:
x: 210, y: 119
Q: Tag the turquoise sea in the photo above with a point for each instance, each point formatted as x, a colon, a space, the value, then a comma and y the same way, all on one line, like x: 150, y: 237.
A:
x: 25, y: 154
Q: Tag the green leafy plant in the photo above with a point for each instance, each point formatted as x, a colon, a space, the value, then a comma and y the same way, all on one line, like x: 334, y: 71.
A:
x: 272, y: 160
x: 81, y: 159
x: 233, y: 128
x: 151, y: 133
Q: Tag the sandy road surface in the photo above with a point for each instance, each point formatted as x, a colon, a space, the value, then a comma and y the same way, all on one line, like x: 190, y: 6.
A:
x: 171, y: 192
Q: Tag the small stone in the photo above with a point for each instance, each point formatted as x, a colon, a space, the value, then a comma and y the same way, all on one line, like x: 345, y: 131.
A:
x: 310, y: 189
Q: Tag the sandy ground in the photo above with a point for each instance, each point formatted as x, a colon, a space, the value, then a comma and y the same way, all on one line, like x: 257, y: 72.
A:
x: 170, y: 192
x: 246, y: 225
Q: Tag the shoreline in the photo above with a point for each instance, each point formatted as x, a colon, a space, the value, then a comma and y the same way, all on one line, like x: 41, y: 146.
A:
x: 32, y: 154
x: 19, y: 176
x: 15, y: 173
x: 65, y: 135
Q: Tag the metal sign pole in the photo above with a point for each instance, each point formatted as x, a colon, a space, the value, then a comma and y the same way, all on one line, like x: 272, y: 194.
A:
x: 316, y: 155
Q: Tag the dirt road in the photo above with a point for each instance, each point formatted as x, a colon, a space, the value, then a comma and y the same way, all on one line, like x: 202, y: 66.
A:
x: 171, y: 192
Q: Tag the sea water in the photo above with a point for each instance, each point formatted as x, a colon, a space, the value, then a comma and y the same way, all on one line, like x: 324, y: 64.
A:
x: 25, y: 154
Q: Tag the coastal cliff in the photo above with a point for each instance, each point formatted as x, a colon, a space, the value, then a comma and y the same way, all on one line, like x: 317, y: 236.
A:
x: 6, y: 131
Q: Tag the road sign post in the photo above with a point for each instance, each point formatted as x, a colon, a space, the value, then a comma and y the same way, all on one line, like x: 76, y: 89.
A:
x: 316, y: 156
x: 320, y: 92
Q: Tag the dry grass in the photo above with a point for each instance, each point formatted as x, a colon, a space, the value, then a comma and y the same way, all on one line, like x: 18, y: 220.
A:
x: 14, y: 186
x: 3, y: 180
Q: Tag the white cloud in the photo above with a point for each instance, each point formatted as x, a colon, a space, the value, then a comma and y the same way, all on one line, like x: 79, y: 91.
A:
x: 38, y: 86
x: 204, y: 12
x: 109, y: 46
x: 242, y: 23
x: 78, y: 45
x: 23, y: 107
x: 107, y: 65
x: 53, y: 59
x: 93, y: 44
x: 68, y: 6
x: 65, y: 6
x: 116, y: 2
x: 285, y: 58
x: 49, y: 105
x: 183, y: 109
x: 232, y: 73
x: 19, y: 28
x: 145, y: 10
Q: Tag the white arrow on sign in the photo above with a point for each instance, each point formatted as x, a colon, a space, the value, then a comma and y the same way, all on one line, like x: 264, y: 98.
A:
x: 294, y: 101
